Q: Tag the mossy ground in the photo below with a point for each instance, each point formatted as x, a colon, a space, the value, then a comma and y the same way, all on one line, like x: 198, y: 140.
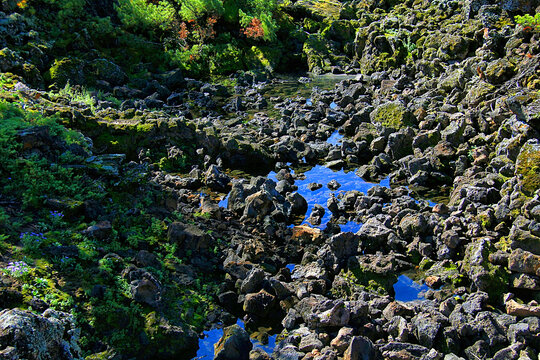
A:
x: 43, y: 221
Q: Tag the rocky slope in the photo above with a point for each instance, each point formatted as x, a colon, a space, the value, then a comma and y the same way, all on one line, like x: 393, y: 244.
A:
x: 109, y: 200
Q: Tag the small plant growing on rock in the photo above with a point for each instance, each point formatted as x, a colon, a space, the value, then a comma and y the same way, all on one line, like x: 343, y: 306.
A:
x: 529, y: 22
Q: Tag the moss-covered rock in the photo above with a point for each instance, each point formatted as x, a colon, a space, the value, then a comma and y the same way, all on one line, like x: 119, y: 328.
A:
x: 166, y: 341
x: 9, y: 60
x: 234, y: 344
x: 453, y: 47
x: 103, y: 69
x: 67, y: 70
x: 374, y: 272
x: 317, y: 51
x: 493, y: 279
x: 454, y: 80
x: 499, y: 71
x: 339, y: 30
x: 392, y: 115
x: 478, y: 92
x: 528, y: 166
x: 446, y: 271
x: 263, y: 57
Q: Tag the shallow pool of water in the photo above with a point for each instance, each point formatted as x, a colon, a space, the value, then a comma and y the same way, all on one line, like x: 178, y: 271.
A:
x: 320, y: 174
x: 211, y: 337
x: 350, y: 226
x: 290, y: 267
x: 348, y: 180
x: 335, y: 138
x: 408, y: 290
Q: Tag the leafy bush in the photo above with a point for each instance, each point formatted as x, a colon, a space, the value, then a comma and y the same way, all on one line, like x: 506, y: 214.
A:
x: 143, y: 16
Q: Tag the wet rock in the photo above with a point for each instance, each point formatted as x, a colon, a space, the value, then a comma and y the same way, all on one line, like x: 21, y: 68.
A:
x: 314, y: 186
x: 25, y: 335
x: 307, y: 235
x: 316, y: 215
x: 298, y: 204
x: 233, y: 345
x: 333, y: 185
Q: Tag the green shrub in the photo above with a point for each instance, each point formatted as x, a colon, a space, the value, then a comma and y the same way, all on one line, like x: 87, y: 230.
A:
x: 143, y: 16
x: 529, y: 22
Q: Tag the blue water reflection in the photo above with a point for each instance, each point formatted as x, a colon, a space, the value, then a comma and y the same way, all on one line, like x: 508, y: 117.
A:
x: 349, y: 181
x: 211, y: 337
x: 335, y: 138
x: 408, y: 290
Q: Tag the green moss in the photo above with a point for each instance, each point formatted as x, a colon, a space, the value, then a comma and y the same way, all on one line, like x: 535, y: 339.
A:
x: 67, y: 70
x: 340, y: 30
x: 528, y: 166
x: 379, y: 283
x: 317, y: 52
x: 392, y: 115
x: 383, y: 61
x: 263, y: 57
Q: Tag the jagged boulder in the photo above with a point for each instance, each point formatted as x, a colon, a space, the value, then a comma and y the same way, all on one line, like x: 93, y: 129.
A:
x: 50, y: 336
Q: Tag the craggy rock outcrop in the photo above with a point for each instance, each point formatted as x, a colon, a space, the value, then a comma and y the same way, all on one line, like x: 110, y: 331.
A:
x: 25, y: 335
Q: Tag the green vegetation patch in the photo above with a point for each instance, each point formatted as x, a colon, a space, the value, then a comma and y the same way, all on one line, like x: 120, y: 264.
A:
x: 392, y: 115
